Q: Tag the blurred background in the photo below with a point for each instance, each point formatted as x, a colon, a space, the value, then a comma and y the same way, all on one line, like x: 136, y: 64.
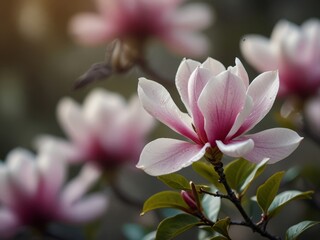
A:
x: 39, y: 63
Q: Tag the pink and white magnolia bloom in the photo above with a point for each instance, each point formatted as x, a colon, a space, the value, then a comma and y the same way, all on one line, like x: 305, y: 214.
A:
x: 140, y: 20
x: 312, y: 111
x: 294, y: 50
x: 106, y: 131
x: 33, y: 192
x: 222, y: 107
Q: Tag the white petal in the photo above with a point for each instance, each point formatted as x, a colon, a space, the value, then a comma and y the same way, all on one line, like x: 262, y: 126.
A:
x: 66, y: 149
x: 158, y: 102
x: 7, y: 195
x: 214, y: 66
x: 263, y: 91
x: 242, y: 116
x: 275, y: 143
x: 87, y: 209
x: 164, y: 155
x: 193, y: 17
x: 187, y: 66
x: 9, y: 223
x: 72, y: 120
x: 186, y: 43
x: 240, y: 71
x: 52, y: 172
x: 22, y: 171
x: 76, y: 188
x: 236, y: 148
x: 258, y: 52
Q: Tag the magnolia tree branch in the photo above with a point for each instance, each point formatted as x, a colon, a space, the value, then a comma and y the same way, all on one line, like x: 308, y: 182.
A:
x: 218, y: 167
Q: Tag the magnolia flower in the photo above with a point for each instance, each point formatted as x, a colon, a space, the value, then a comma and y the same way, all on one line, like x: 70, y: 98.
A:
x: 138, y: 20
x: 106, y: 131
x: 294, y: 51
x: 312, y: 111
x: 222, y: 107
x: 32, y: 192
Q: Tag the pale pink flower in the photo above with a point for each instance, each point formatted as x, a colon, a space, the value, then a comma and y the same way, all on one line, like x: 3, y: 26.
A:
x: 312, y: 111
x: 222, y: 107
x: 33, y: 192
x: 140, y: 20
x: 106, y: 131
x: 294, y: 50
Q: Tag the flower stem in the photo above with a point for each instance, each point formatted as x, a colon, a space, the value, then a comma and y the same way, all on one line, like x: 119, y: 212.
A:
x: 218, y: 167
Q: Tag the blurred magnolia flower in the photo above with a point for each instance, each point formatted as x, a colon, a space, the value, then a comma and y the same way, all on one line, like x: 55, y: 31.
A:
x: 106, y: 131
x: 222, y: 107
x: 312, y: 112
x: 32, y: 192
x: 294, y: 50
x: 136, y: 21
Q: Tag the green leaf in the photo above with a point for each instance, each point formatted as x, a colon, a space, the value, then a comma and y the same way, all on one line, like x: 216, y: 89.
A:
x: 207, y: 171
x: 173, y: 226
x: 165, y: 199
x: 222, y: 226
x: 175, y: 181
x: 240, y: 174
x: 284, y: 198
x: 211, y: 205
x: 267, y: 191
x: 294, y: 231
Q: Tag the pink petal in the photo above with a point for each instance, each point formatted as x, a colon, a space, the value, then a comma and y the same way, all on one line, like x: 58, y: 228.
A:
x: 275, y: 143
x: 263, y: 91
x: 198, y: 79
x: 164, y: 155
x: 187, y: 66
x: 85, y: 210
x: 257, y: 51
x: 91, y: 29
x: 158, y: 102
x: 76, y: 188
x: 72, y: 121
x: 236, y: 148
x: 214, y: 66
x: 220, y: 102
x: 7, y: 194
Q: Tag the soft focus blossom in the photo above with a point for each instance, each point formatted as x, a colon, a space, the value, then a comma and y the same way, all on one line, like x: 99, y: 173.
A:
x: 312, y: 111
x: 136, y: 21
x: 33, y: 192
x: 222, y: 107
x: 294, y: 50
x: 106, y: 131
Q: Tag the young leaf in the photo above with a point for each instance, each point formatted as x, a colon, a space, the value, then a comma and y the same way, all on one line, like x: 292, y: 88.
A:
x: 294, y: 231
x: 267, y: 191
x: 240, y: 174
x: 211, y: 205
x: 165, y: 199
x: 284, y: 198
x: 175, y: 181
x: 207, y: 171
x: 173, y: 226
x: 222, y: 226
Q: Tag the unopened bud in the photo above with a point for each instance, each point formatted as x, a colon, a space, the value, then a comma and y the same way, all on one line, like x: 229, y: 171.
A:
x: 188, y: 198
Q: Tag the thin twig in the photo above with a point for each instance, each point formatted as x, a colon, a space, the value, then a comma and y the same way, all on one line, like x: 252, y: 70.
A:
x: 218, y: 166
